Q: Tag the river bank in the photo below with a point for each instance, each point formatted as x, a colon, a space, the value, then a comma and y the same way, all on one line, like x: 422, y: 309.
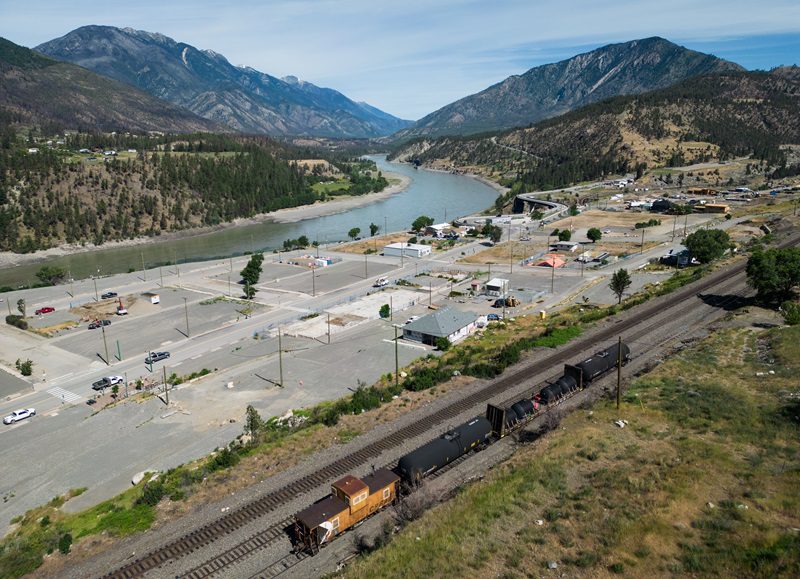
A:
x: 288, y: 215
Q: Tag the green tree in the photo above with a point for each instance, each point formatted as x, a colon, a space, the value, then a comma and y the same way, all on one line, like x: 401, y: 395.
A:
x: 115, y: 390
x: 421, y: 223
x: 706, y: 245
x: 594, y: 234
x: 385, y: 311
x: 373, y: 229
x: 353, y: 233
x: 573, y: 209
x: 51, y: 275
x: 564, y: 235
x: 302, y: 241
x: 774, y: 272
x: 21, y: 306
x: 253, y: 422
x: 620, y: 282
x: 249, y: 291
x: 495, y: 233
x: 252, y: 271
x: 25, y: 368
x: 442, y: 344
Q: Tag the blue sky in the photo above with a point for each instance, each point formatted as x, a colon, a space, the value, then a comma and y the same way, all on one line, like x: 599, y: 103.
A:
x: 412, y: 57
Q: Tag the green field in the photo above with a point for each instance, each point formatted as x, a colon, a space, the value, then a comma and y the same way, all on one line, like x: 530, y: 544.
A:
x: 331, y: 187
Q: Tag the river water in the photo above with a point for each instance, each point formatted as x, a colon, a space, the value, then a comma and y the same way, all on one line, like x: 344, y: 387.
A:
x: 442, y: 196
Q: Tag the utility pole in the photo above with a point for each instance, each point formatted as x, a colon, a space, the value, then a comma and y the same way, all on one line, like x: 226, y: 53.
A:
x: 96, y: 296
x: 161, y: 276
x: 489, y: 275
x: 510, y: 251
x: 396, y: 360
x: 619, y: 368
x: 186, y: 311
x: 553, y: 277
x: 391, y: 309
x: 641, y: 249
x: 119, y: 352
x: 105, y: 344
x: 313, y: 282
x: 166, y: 386
x: 329, y: 327
x: 144, y: 271
x: 126, y: 384
x: 674, y: 223
x: 430, y: 294
x: 280, y: 357
x: 366, y: 275
x: 685, y: 221
x: 229, y: 286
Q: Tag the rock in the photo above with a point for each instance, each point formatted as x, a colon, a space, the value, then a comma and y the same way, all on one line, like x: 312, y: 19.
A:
x: 539, y: 522
x: 403, y: 375
x: 229, y: 385
x: 552, y: 565
x: 139, y: 476
x: 772, y: 372
x: 710, y: 505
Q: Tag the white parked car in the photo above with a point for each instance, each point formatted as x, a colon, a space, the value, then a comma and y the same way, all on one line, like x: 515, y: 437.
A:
x: 412, y: 319
x: 116, y: 380
x: 18, y: 415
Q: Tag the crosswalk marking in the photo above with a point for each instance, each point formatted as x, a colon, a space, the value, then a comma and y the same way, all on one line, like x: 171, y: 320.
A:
x: 65, y: 395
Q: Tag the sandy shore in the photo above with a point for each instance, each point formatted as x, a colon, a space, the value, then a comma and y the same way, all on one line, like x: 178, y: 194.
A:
x: 340, y: 205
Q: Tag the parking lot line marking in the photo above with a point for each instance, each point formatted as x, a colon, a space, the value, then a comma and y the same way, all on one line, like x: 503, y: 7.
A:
x: 176, y: 365
x: 217, y: 349
x: 406, y: 344
x: 167, y: 343
x: 196, y: 357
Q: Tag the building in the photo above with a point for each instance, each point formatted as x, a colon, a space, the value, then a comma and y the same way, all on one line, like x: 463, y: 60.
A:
x: 447, y: 323
x: 406, y: 249
x: 551, y: 260
x: 566, y: 246
x: 154, y: 298
x: 714, y: 208
x: 438, y: 230
x: 496, y: 287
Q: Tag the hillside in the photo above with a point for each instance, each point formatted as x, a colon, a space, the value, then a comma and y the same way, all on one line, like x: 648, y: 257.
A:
x: 205, y: 83
x: 42, y: 91
x: 699, y: 119
x: 553, y: 89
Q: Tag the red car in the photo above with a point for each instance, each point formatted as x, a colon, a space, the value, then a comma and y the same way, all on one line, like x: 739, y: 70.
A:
x: 45, y: 310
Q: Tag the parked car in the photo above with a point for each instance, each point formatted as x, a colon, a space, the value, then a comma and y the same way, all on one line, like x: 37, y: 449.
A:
x: 18, y: 415
x: 412, y: 319
x: 44, y: 310
x: 156, y: 357
x: 97, y: 323
x: 108, y: 295
x: 101, y: 384
x: 493, y: 318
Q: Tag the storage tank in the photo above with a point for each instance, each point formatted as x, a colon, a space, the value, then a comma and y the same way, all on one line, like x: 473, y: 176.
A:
x: 602, y: 362
x: 427, y: 458
x: 476, y: 431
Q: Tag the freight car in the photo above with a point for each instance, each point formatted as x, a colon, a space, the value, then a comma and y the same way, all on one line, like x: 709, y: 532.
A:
x: 351, y: 501
x: 443, y: 450
x: 575, y: 378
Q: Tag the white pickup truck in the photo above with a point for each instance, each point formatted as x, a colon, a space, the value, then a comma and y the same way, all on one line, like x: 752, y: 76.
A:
x: 381, y: 282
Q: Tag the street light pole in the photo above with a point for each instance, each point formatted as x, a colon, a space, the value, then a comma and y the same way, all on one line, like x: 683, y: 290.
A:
x: 313, y: 283
x: 641, y: 249
x: 366, y: 275
x: 280, y: 357
x: 186, y: 311
x: 144, y: 271
x: 553, y: 276
x: 619, y: 368
x: 96, y: 297
x: 396, y: 360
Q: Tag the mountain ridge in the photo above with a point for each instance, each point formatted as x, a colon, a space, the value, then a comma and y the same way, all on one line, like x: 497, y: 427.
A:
x: 38, y: 89
x: 549, y: 90
x: 206, y: 83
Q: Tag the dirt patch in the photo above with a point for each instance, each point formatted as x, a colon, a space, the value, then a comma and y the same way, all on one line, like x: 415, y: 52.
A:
x: 107, y: 309
x: 373, y: 244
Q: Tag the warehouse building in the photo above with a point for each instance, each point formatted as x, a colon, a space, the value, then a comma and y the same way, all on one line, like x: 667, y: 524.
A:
x: 447, y: 323
x: 406, y: 249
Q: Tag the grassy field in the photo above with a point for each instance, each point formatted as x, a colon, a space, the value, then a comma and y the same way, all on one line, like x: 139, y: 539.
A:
x: 702, y: 482
x: 331, y: 187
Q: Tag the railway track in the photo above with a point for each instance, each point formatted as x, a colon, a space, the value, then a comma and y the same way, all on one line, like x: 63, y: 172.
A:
x: 268, y: 502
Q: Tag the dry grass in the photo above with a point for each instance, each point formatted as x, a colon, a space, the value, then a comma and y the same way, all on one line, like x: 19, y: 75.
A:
x: 374, y: 244
x: 702, y: 430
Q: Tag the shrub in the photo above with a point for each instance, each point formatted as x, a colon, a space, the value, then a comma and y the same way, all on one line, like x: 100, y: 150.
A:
x: 17, y: 321
x: 791, y: 313
x: 152, y: 493
x: 64, y: 543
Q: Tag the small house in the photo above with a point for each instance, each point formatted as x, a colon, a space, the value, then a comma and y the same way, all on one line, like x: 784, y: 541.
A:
x: 566, y: 246
x: 153, y: 297
x: 448, y: 322
x: 402, y: 249
x: 551, y: 260
x: 438, y: 230
x: 496, y: 287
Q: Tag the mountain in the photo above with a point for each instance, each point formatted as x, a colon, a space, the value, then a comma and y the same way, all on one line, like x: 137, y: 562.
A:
x: 553, y: 89
x: 699, y: 119
x: 207, y: 84
x: 35, y: 89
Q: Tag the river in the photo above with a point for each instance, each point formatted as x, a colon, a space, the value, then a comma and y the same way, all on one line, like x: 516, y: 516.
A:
x: 442, y: 196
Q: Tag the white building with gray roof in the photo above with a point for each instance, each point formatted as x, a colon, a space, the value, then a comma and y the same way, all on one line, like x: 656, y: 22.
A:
x: 448, y: 322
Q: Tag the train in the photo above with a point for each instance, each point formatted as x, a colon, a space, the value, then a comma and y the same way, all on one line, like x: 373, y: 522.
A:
x: 352, y: 499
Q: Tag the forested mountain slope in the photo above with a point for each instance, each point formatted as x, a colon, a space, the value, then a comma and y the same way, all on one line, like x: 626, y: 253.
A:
x: 702, y: 118
x: 553, y: 89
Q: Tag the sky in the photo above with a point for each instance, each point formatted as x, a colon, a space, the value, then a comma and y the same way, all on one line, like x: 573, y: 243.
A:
x: 411, y: 57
